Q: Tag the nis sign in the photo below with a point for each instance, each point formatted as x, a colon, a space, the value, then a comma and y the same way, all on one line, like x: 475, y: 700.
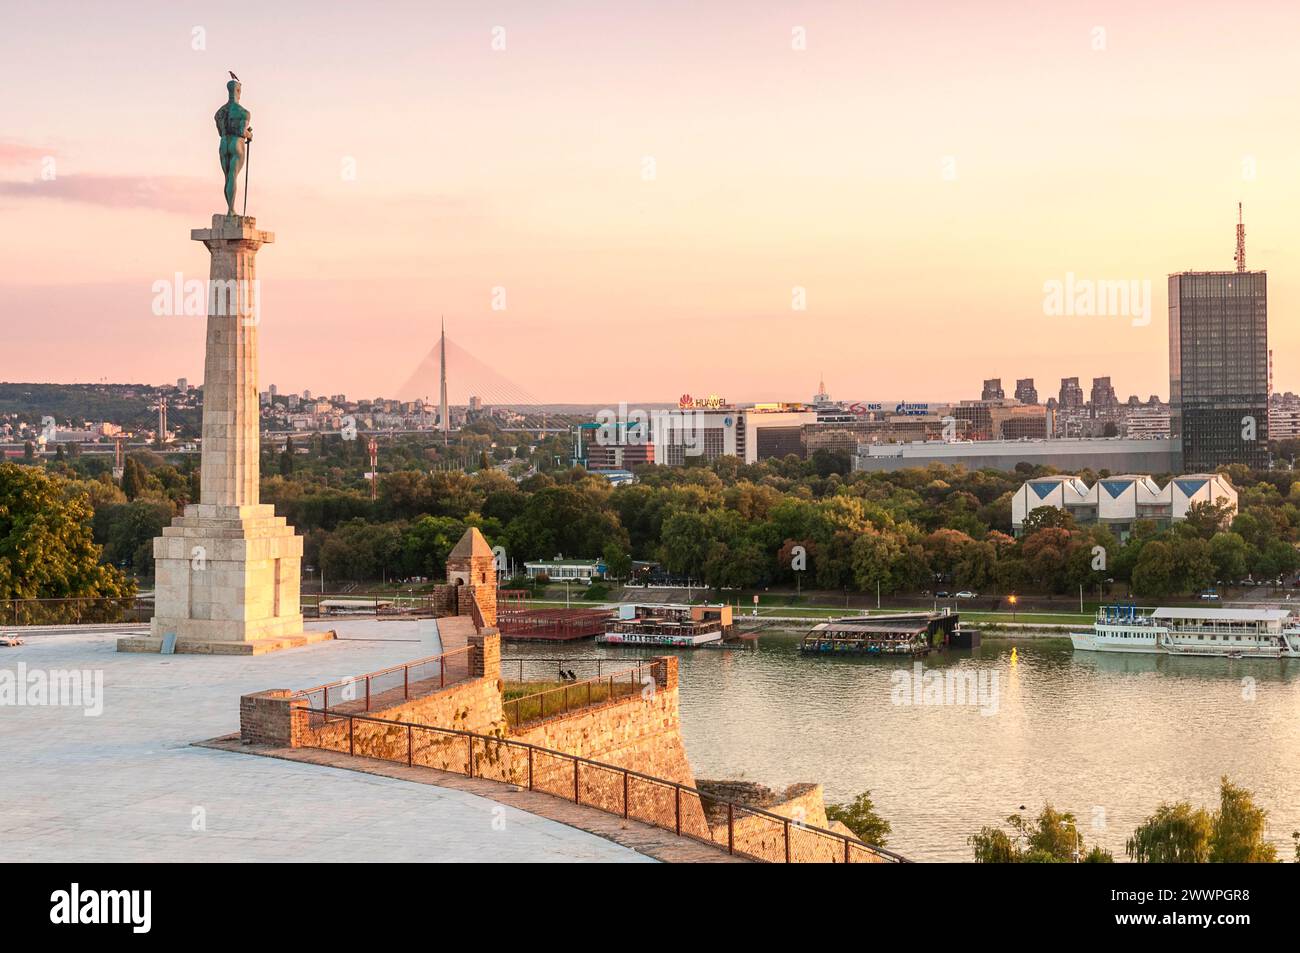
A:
x: 903, y: 407
x: 712, y: 402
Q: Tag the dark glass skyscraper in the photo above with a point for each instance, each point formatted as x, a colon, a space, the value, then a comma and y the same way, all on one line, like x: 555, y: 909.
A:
x: 1218, y: 368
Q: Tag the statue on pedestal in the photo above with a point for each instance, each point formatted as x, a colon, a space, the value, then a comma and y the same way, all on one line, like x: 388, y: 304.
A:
x: 234, y: 125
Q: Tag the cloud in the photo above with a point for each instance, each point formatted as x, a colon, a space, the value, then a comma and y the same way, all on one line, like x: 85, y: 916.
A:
x: 16, y: 153
x: 166, y: 193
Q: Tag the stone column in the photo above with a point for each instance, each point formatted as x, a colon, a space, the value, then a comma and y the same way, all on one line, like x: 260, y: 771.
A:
x: 230, y: 403
x: 228, y: 571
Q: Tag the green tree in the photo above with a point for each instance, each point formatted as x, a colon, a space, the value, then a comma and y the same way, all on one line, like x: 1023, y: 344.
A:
x: 1238, y: 836
x: 1193, y: 567
x: 1174, y: 834
x: 1228, y: 552
x: 875, y: 559
x: 427, y: 542
x: 135, y: 478
x: 1043, y: 517
x: 1153, y: 575
x: 685, y: 544
x: 1208, y: 517
x: 860, y: 816
x: 1181, y: 834
x: 286, y: 458
x: 1051, y: 838
x: 127, y: 531
x: 618, y: 564
x: 360, y: 550
x: 1047, y: 554
x: 46, y: 546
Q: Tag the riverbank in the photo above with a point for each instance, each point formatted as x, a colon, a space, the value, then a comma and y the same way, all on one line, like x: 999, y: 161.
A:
x: 1105, y: 736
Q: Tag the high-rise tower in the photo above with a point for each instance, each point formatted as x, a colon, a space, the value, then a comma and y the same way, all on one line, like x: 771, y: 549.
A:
x: 1218, y: 365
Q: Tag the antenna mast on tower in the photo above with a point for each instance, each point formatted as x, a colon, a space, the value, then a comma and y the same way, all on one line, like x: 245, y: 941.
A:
x: 1240, y: 257
x: 442, y: 406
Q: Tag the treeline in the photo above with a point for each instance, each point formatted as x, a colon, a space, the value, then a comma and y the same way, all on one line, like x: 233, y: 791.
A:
x: 1176, y: 833
x: 724, y: 524
x: 729, y: 525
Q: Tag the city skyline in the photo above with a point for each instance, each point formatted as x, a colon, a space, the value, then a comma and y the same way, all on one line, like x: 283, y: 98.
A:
x: 631, y: 432
x: 925, y: 224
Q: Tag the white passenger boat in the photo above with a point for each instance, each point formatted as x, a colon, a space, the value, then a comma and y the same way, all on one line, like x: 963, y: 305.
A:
x: 1232, y: 633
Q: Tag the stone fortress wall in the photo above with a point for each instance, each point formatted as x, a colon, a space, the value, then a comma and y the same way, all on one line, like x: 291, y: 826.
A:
x: 638, y: 732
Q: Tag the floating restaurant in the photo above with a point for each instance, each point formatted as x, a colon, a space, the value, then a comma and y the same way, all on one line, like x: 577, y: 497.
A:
x: 679, y: 626
x: 904, y: 633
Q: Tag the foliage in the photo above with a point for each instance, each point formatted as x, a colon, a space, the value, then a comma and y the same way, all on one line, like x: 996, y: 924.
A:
x: 1238, y: 836
x: 723, y: 524
x: 860, y: 816
x: 46, y: 546
x: 1051, y: 838
x: 1180, y: 834
x: 1174, y: 834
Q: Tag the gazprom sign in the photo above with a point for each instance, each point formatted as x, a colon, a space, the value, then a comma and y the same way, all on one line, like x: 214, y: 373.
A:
x: 901, y: 407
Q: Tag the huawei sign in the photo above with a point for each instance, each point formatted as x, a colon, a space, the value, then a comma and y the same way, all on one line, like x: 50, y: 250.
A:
x: 712, y: 402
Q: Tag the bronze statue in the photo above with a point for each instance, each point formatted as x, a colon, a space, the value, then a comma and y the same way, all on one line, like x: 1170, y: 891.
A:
x: 234, y: 125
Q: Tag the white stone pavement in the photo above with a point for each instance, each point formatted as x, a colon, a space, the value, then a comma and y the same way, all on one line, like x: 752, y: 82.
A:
x: 127, y: 785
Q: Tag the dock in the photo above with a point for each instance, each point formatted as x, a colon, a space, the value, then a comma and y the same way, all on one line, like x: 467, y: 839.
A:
x: 903, y: 633
x: 519, y: 622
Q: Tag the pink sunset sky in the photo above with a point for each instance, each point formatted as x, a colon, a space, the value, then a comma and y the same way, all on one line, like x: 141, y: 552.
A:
x: 920, y: 168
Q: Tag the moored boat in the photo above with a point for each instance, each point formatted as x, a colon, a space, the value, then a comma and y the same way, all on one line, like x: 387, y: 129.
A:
x: 1228, y: 633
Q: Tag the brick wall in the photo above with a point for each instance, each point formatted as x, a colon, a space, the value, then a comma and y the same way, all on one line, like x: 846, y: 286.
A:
x: 266, y: 718
x: 485, y: 654
x: 443, y: 600
x: 470, y: 706
x: 640, y: 733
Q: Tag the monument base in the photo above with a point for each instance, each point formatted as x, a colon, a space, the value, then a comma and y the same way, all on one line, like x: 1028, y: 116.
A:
x: 151, y: 643
x: 227, y: 582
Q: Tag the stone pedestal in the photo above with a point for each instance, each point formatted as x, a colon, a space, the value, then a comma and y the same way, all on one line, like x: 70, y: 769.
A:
x: 228, y: 570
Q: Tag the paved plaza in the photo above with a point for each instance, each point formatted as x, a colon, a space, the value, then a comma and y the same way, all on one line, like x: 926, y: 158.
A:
x: 128, y: 784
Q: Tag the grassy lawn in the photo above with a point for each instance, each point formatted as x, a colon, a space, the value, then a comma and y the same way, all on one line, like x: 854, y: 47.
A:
x: 1041, y: 618
x: 531, y: 701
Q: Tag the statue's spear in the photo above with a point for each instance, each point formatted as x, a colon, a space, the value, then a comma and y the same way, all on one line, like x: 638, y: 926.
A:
x: 248, y: 160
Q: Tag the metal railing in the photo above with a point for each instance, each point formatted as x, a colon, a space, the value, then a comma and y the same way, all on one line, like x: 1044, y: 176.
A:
x: 747, y: 832
x: 540, y: 667
x: 564, y: 698
x: 75, y: 611
x: 375, y: 691
x: 476, y: 614
x: 396, y: 605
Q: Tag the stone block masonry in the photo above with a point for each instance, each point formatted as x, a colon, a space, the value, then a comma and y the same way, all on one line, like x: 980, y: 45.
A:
x: 228, y: 570
x: 277, y: 717
x: 639, y: 733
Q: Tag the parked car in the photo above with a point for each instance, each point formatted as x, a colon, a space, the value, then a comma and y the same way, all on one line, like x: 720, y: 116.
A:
x: 941, y: 594
x: 1210, y: 596
x: 967, y: 594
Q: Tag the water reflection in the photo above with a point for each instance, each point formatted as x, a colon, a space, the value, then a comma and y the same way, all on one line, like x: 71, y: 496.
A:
x: 1106, y: 736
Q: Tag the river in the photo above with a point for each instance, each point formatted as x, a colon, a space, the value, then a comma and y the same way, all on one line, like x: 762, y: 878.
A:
x: 1106, y: 737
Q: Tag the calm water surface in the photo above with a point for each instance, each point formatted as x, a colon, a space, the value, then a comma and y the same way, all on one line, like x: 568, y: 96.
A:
x: 1104, y: 736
